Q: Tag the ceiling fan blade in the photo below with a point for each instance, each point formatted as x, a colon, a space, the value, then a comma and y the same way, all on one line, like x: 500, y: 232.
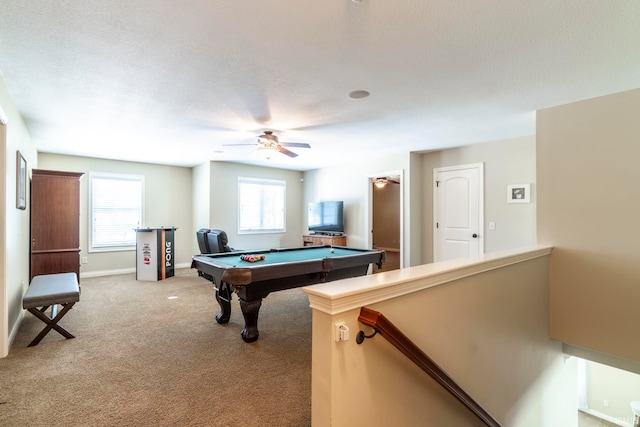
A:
x: 232, y: 145
x: 287, y: 152
x: 295, y: 144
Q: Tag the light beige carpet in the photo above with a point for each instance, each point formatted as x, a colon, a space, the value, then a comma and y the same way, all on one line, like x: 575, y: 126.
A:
x: 144, y: 358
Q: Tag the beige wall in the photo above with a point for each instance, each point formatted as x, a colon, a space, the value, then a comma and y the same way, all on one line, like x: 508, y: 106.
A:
x: 168, y: 191
x: 616, y: 386
x: 350, y: 183
x: 507, y: 162
x: 588, y: 208
x: 201, y: 199
x: 14, y: 235
x: 208, y: 190
x: 224, y: 205
x: 414, y: 205
x: 484, y: 323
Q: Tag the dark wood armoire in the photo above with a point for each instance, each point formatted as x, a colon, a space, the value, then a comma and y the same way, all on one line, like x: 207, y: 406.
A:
x: 55, y: 222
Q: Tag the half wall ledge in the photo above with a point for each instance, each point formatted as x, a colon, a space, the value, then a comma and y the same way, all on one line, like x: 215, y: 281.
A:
x: 348, y: 294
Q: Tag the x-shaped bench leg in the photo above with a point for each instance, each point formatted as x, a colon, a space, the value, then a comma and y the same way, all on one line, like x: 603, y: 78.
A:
x: 52, y: 323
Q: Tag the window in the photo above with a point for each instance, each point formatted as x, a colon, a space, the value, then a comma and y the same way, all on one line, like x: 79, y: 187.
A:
x: 115, y: 209
x: 261, y: 206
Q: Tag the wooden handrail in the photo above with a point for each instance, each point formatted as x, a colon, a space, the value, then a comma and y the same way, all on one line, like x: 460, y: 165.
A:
x: 399, y: 340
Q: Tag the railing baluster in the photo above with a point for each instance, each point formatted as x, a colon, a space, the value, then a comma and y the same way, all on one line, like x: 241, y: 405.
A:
x: 399, y: 340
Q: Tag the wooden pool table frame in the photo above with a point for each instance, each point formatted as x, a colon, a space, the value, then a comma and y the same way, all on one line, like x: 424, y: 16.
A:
x: 254, y: 282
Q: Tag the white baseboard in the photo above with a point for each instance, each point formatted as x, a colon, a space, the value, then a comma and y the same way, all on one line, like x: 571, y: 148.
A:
x: 120, y: 271
x: 16, y: 326
x: 107, y: 272
x: 607, y: 418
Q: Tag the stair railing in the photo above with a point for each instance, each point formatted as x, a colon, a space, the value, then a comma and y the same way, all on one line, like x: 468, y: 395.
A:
x: 391, y: 333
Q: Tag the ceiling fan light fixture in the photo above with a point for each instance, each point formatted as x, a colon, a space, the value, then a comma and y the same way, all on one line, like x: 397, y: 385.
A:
x: 380, y: 182
x: 268, y: 143
x: 266, y: 152
x: 268, y: 137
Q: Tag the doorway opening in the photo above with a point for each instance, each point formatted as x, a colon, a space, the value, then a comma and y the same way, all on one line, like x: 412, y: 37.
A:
x: 607, y: 396
x: 385, y: 224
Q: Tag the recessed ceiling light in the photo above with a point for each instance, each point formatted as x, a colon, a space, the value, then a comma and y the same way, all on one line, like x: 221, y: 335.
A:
x: 358, y: 94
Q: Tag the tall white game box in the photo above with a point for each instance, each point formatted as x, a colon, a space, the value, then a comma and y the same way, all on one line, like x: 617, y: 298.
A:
x: 155, y: 253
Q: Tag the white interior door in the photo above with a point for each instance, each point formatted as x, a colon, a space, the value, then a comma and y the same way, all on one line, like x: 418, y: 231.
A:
x: 458, y: 212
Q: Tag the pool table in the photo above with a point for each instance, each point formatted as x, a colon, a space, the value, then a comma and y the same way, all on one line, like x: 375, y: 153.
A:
x: 282, y: 268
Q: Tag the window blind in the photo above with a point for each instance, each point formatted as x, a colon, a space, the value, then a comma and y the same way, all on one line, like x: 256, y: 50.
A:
x: 116, y: 207
x: 261, y: 205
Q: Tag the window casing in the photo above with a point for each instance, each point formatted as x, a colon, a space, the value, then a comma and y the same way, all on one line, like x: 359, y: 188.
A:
x: 116, y: 208
x: 261, y: 205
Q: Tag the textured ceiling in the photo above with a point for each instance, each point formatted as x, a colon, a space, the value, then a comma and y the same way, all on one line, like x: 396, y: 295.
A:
x: 171, y: 81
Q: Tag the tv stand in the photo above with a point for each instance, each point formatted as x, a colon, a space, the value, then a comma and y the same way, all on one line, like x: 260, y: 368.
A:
x: 324, y: 239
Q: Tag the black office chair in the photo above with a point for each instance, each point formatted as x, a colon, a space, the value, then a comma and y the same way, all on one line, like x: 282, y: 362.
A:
x: 203, y: 243
x: 213, y: 241
x: 218, y: 241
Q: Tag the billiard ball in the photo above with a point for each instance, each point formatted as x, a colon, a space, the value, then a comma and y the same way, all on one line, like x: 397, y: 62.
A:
x: 332, y: 250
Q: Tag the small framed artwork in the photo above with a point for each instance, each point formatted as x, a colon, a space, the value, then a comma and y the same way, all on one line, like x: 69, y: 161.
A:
x: 519, y: 193
x: 21, y: 181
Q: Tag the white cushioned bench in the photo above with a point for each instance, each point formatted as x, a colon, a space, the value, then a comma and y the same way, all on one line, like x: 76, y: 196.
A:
x: 49, y: 290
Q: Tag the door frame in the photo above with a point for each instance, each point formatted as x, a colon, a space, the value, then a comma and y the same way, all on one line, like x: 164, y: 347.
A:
x: 481, y: 229
x: 368, y: 222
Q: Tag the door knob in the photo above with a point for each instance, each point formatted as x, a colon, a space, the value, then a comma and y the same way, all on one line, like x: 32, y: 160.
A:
x: 475, y: 236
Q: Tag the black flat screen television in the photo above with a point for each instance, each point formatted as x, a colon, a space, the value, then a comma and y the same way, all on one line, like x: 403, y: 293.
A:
x: 325, y: 217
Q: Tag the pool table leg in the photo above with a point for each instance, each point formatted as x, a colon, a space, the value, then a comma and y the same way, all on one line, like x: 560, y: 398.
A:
x: 223, y: 296
x: 250, y: 311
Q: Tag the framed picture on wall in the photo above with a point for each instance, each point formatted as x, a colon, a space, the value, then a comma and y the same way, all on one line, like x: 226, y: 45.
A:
x: 21, y: 181
x: 519, y: 193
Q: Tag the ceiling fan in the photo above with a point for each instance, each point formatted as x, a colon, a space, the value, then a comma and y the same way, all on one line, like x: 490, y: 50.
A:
x: 382, y: 181
x: 268, y: 144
